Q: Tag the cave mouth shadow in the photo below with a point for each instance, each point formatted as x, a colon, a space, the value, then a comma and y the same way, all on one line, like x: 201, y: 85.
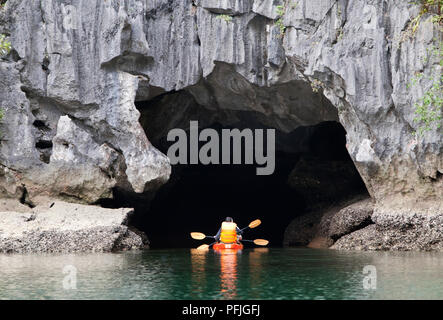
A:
x: 199, y: 197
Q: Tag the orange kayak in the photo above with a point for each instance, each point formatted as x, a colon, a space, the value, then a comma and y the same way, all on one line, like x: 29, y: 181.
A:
x: 232, y: 246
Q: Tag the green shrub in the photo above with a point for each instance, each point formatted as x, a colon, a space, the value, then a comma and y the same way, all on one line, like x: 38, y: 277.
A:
x: 280, y: 13
x: 5, y: 45
x: 225, y: 17
x: 433, y: 7
x: 280, y: 10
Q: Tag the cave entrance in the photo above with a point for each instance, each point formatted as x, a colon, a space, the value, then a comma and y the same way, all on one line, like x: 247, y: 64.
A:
x: 312, y: 169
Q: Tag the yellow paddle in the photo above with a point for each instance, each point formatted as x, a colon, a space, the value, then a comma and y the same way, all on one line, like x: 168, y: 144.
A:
x: 253, y: 224
x: 199, y: 236
x: 203, y: 247
x: 261, y: 242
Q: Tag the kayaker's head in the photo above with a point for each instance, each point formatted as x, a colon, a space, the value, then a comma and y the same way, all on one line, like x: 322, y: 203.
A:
x: 229, y: 219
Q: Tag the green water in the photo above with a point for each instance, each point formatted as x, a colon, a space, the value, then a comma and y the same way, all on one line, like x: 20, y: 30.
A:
x: 251, y: 274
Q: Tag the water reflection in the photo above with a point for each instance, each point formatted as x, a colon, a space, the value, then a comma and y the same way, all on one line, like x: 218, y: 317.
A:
x: 255, y: 270
x: 228, y: 273
x: 254, y: 274
x: 198, y: 274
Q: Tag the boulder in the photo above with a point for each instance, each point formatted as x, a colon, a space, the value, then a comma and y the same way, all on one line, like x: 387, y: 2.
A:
x: 353, y: 217
x: 397, y: 231
x: 320, y: 228
x: 66, y: 227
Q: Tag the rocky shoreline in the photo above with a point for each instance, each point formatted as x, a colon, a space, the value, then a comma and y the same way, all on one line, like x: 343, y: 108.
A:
x: 321, y: 228
x: 362, y: 225
x: 397, y: 231
x: 61, y: 227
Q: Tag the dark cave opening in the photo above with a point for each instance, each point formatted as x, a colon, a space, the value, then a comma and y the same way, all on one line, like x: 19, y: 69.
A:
x: 313, y: 170
x: 199, y: 197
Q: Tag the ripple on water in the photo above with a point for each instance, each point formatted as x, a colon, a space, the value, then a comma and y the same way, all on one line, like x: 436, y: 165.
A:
x: 251, y: 274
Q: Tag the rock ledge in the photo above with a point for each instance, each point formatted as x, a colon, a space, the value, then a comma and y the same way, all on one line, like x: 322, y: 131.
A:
x: 66, y: 227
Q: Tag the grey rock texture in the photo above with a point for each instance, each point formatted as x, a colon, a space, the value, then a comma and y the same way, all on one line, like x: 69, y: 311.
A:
x: 321, y: 227
x: 66, y: 227
x: 408, y: 231
x: 71, y: 129
x: 351, y: 218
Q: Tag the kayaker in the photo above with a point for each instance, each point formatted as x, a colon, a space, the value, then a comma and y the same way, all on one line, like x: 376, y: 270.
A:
x: 229, y: 232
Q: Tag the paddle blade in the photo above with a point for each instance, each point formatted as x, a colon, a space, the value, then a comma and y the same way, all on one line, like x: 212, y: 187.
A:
x: 261, y: 242
x: 197, y: 235
x: 254, y: 223
x: 203, y: 247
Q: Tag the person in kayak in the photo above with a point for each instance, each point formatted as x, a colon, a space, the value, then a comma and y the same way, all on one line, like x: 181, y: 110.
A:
x: 229, y: 232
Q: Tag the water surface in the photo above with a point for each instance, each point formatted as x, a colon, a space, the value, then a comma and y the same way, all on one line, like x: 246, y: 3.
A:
x: 252, y: 274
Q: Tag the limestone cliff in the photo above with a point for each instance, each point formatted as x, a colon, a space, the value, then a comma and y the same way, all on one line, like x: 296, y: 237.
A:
x: 67, y: 89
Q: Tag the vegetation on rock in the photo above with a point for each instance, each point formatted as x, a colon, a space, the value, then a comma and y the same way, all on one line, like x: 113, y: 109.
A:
x: 5, y: 45
x: 280, y: 12
x: 428, y: 6
x: 428, y: 108
x: 225, y: 17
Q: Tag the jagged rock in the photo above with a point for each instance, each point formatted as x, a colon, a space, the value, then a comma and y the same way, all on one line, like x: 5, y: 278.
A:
x: 321, y: 227
x: 43, y: 104
x: 397, y: 231
x: 94, y: 55
x: 67, y: 227
x: 353, y: 217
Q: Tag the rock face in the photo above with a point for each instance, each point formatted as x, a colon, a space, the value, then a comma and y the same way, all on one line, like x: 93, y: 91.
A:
x: 411, y: 231
x: 71, y: 129
x: 67, y: 89
x: 67, y: 227
x: 321, y: 227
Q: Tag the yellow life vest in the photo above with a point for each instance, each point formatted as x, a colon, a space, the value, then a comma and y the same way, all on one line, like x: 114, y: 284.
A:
x: 228, y: 232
